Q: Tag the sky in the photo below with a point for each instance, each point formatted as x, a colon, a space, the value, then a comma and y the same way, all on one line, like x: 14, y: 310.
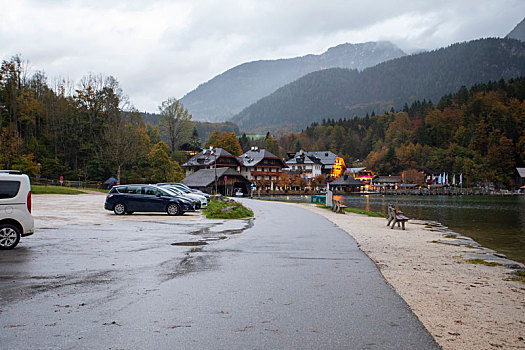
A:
x: 163, y: 49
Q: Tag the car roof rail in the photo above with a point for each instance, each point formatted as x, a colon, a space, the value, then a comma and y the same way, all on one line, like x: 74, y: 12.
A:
x: 14, y: 172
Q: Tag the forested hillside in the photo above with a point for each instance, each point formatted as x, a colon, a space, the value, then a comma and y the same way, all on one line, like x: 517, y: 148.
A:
x: 228, y: 93
x: 343, y: 93
x: 203, y: 130
x: 80, y: 132
x: 478, y: 132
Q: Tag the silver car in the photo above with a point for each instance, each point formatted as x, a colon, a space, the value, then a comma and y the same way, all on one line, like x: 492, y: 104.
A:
x: 202, y: 200
x: 15, y: 208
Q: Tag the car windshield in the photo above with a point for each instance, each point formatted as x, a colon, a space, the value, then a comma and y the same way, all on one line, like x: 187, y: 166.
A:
x: 182, y: 189
x: 174, y: 190
x: 168, y: 192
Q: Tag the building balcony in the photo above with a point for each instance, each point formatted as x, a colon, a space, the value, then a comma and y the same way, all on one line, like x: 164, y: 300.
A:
x: 266, y: 173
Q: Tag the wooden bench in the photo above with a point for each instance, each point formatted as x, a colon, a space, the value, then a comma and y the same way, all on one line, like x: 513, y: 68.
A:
x: 396, y: 216
x: 338, y: 207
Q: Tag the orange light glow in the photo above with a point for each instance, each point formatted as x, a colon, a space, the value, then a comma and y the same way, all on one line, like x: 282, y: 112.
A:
x: 338, y: 168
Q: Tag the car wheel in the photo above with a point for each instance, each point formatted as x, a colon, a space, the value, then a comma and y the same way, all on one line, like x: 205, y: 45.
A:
x: 9, y: 236
x: 119, y: 209
x: 173, y: 209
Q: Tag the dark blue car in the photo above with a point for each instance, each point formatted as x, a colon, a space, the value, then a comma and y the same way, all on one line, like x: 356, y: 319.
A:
x: 126, y: 199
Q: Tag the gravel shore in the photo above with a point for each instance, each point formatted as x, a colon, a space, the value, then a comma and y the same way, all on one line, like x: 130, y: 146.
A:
x: 463, y: 305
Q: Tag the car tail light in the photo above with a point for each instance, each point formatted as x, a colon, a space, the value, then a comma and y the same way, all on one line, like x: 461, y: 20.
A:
x: 29, y: 201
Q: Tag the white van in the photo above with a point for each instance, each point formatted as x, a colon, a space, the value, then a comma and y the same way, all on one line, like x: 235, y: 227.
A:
x: 15, y: 208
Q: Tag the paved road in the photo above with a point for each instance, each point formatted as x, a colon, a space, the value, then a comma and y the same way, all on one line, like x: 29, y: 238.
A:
x: 287, y: 280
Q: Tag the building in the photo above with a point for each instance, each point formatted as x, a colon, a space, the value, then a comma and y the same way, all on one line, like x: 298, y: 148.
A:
x: 261, y: 166
x: 211, y: 158
x: 312, y: 164
x: 520, y: 178
x: 363, y: 175
x: 346, y: 183
x: 381, y: 183
x: 228, y: 181
x: 431, y: 176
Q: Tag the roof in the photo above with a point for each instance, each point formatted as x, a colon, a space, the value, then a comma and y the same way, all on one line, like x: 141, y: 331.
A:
x: 356, y: 170
x: 255, y: 155
x: 207, y: 157
x: 205, y: 177
x: 325, y: 158
x: 346, y: 180
x: 388, y: 179
x: 521, y: 171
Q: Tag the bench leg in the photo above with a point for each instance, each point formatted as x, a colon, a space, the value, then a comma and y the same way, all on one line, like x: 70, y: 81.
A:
x: 403, y: 224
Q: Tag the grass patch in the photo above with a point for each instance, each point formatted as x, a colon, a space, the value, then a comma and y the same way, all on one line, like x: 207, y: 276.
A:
x: 451, y: 236
x: 226, y: 210
x: 255, y: 136
x: 40, y: 189
x: 518, y: 276
x: 484, y: 262
x: 428, y: 226
x: 101, y: 190
x: 364, y: 212
x: 353, y: 210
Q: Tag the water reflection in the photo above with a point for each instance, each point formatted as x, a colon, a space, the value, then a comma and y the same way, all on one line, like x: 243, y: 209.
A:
x: 496, y: 222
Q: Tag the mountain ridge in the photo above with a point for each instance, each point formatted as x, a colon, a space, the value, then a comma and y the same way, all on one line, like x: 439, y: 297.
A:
x: 342, y: 93
x: 228, y: 93
x: 518, y: 32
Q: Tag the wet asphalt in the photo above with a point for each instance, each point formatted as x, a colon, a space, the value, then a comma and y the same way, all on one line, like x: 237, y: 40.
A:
x: 289, y: 279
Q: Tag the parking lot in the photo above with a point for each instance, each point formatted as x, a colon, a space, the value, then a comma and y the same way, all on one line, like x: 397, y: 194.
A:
x: 91, y: 279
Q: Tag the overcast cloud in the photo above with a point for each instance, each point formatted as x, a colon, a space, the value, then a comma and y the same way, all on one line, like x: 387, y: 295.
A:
x: 161, y: 49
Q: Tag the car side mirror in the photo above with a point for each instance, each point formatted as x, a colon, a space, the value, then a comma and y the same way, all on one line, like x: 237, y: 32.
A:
x: 158, y: 194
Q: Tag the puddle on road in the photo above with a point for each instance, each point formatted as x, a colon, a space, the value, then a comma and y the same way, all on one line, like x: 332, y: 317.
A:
x: 197, y: 259
x: 201, y: 242
x: 190, y: 244
x: 231, y: 227
x: 223, y: 229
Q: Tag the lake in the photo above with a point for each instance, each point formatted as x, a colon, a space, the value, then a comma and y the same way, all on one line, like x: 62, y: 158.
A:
x: 496, y: 222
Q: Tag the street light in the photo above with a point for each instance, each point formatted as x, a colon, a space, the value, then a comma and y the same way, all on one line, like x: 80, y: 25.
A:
x: 213, y: 152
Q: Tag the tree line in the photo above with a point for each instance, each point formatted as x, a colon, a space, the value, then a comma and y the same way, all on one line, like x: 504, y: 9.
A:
x: 86, y: 131
x: 90, y: 131
x: 479, y: 132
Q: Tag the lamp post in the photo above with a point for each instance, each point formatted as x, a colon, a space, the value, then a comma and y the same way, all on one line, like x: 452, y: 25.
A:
x: 212, y: 151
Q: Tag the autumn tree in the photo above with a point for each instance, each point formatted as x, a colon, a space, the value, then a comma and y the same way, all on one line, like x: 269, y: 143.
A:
x: 175, y: 123
x: 125, y: 142
x: 163, y: 168
x: 285, y: 180
x: 225, y: 140
x: 271, y: 144
x: 318, y: 181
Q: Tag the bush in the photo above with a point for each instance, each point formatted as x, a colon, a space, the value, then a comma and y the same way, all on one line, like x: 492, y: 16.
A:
x: 217, y: 209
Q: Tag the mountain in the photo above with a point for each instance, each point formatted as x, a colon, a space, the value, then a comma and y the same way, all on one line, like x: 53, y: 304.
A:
x: 343, y: 93
x: 230, y: 92
x: 518, y: 32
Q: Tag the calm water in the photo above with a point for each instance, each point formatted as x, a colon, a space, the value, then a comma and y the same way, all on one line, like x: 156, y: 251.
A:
x: 496, y: 222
